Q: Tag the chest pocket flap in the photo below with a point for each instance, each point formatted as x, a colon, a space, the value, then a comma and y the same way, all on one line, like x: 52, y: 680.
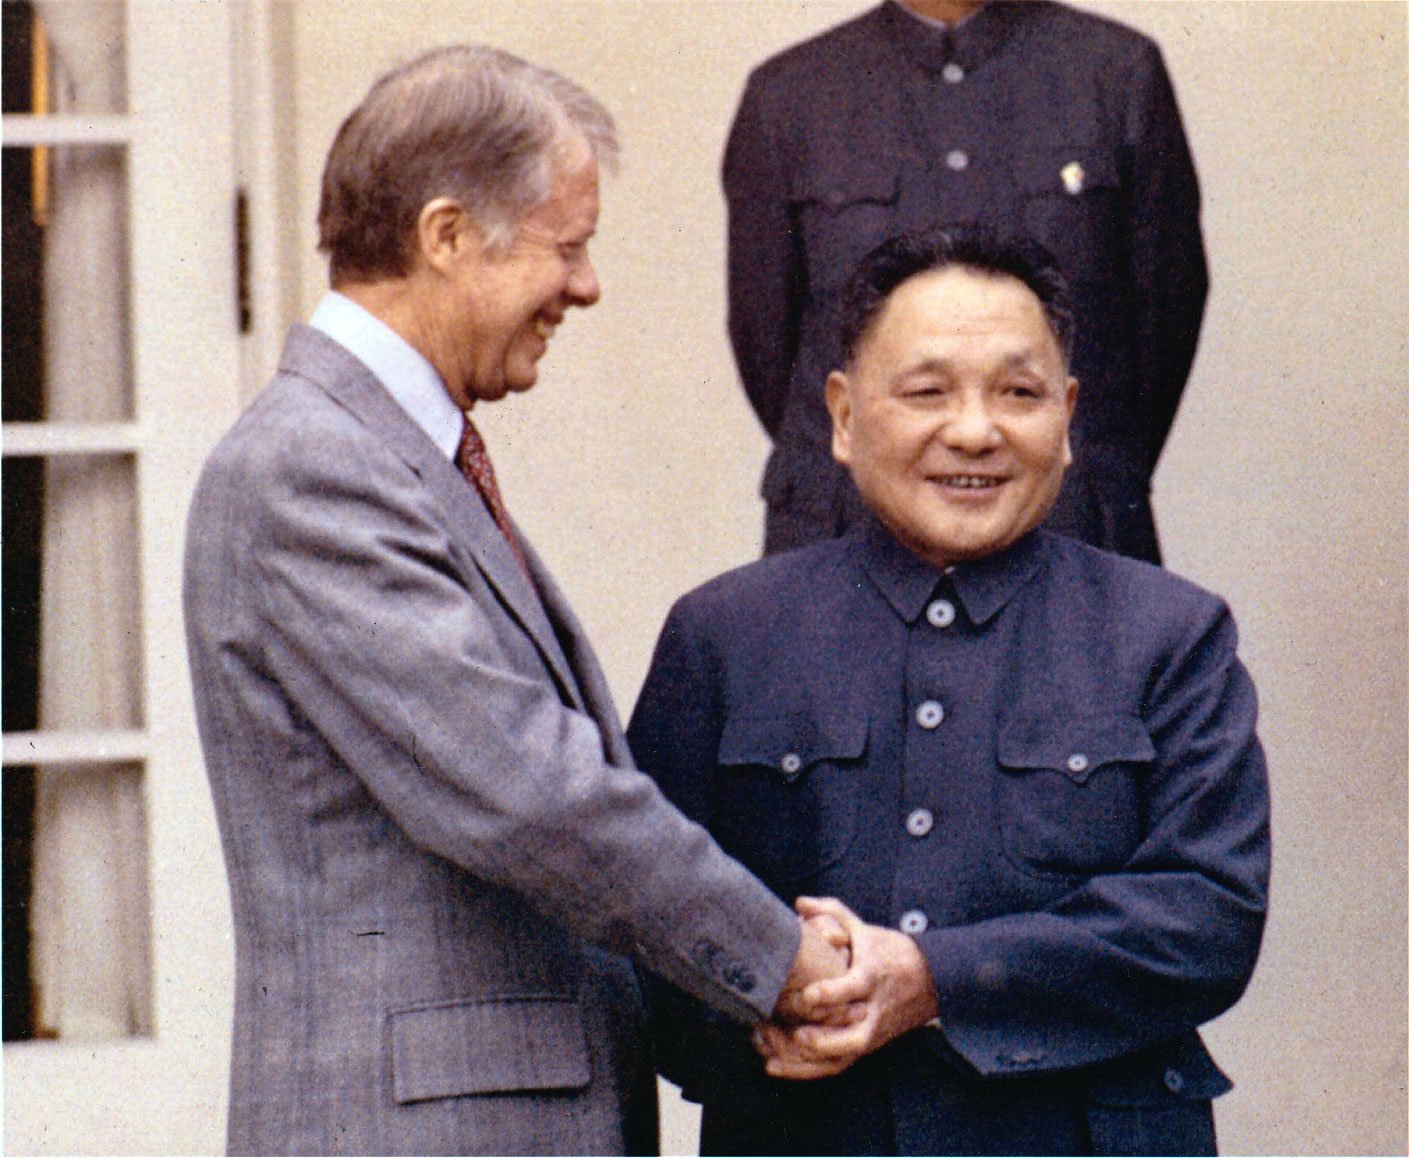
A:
x: 792, y: 742
x: 1076, y: 746
x: 840, y: 185
x: 784, y: 796
x: 1072, y: 204
x: 1071, y: 790
x: 1065, y: 170
x: 843, y: 212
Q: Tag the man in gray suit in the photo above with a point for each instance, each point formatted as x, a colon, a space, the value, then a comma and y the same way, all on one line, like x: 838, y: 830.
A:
x: 440, y: 856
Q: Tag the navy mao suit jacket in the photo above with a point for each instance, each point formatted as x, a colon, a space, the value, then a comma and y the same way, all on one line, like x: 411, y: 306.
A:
x: 1043, y: 766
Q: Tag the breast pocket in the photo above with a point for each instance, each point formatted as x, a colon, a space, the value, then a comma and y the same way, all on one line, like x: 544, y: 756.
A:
x: 784, y: 794
x: 843, y: 216
x: 1072, y: 201
x: 1070, y: 790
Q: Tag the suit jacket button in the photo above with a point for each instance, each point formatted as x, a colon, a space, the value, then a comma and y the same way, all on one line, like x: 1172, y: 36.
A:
x: 1173, y: 1080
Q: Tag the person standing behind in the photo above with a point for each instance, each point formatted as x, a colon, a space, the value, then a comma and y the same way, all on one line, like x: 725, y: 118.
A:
x: 440, y: 855
x: 1032, y: 117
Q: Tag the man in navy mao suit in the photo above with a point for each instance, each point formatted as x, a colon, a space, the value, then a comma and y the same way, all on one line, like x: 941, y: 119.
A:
x: 1028, y: 768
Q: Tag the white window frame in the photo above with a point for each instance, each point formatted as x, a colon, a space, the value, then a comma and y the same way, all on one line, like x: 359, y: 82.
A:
x: 165, y: 1093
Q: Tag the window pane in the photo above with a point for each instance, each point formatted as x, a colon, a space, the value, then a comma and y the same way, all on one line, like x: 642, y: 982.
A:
x: 22, y: 489
x: 74, y: 594
x: 89, y: 910
x: 85, y: 44
x: 77, y: 956
x: 67, y: 302
x: 18, y: 814
x: 89, y: 639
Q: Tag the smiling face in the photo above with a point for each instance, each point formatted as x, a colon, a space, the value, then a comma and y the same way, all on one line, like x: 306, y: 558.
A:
x: 953, y: 414
x: 496, y: 310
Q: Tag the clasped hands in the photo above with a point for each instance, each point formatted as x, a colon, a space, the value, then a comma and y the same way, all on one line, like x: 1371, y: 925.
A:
x: 853, y: 988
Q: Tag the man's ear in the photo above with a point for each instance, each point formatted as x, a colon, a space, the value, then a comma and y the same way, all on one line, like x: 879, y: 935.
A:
x: 1072, y: 387
x: 444, y: 232
x: 839, y: 406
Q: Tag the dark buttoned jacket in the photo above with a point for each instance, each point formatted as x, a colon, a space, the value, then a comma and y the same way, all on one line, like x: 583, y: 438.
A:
x: 1043, y: 766
x: 1031, y: 117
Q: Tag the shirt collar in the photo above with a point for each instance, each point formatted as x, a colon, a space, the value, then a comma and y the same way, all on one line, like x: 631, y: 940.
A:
x: 408, y: 377
x: 971, y: 43
x: 983, y: 587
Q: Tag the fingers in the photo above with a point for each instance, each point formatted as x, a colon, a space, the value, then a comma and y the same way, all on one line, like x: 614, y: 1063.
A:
x: 859, y: 981
x: 814, y: 1042
x: 794, y: 1070
x: 819, y: 951
x: 787, y: 1056
x: 771, y: 1040
x: 885, y: 991
x: 822, y: 1043
x: 841, y: 1014
x: 831, y: 929
x: 817, y: 959
x: 827, y: 907
x: 851, y: 988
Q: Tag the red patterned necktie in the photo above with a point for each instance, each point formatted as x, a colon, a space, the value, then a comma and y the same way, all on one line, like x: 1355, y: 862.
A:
x: 473, y: 460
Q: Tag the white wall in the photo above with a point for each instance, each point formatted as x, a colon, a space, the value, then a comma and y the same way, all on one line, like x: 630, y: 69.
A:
x: 635, y: 461
x: 1284, y: 488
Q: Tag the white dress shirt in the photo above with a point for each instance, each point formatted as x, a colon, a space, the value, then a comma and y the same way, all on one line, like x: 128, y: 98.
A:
x: 403, y: 370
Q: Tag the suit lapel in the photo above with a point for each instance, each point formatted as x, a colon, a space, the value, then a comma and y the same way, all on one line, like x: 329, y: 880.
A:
x: 596, y: 696
x: 312, y: 355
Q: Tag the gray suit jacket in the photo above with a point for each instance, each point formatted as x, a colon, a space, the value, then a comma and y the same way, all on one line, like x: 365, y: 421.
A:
x: 437, y: 847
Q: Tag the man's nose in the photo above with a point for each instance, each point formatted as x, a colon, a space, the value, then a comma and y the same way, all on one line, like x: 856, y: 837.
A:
x: 970, y: 427
x: 583, y: 287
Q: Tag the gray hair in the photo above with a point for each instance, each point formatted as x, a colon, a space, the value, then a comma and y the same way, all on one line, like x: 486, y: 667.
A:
x: 467, y: 122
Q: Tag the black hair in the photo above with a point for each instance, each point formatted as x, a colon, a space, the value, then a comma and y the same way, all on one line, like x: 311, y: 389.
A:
x: 974, y: 247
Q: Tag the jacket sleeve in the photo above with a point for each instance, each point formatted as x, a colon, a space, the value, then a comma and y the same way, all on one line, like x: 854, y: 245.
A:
x: 766, y: 271
x: 379, y: 626
x: 1137, y: 956
x: 1168, y: 269
x: 674, y: 735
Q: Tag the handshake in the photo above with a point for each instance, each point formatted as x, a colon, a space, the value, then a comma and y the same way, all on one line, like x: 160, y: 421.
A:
x: 853, y: 987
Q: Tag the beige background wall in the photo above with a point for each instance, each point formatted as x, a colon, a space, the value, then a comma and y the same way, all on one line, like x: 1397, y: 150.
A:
x: 634, y: 463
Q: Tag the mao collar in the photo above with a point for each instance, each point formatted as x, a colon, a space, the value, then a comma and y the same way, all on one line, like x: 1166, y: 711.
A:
x: 971, y: 43
x: 983, y: 587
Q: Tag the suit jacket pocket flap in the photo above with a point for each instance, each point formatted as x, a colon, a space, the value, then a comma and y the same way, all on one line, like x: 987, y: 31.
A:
x: 492, y: 1046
